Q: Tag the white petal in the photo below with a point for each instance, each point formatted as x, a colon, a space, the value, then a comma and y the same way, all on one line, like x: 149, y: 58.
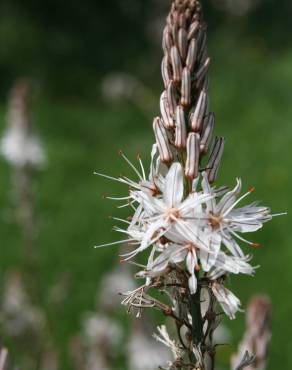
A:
x: 232, y: 246
x: 229, y: 198
x: 174, y: 187
x: 208, y: 259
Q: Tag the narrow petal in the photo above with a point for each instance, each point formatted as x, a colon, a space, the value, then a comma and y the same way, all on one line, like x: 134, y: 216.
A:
x: 174, y: 187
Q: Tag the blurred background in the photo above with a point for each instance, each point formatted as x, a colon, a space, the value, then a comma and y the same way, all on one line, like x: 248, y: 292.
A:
x: 81, y: 80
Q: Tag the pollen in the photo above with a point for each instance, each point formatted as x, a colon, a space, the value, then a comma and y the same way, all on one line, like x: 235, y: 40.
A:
x: 252, y: 189
x: 172, y: 214
x: 256, y: 245
x: 215, y: 221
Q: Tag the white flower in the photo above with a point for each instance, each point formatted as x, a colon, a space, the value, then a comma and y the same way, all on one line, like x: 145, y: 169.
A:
x: 170, y: 215
x: 229, y: 264
x: 228, y: 301
x: 225, y: 222
x: 21, y: 148
x: 164, y: 338
x: 145, y: 353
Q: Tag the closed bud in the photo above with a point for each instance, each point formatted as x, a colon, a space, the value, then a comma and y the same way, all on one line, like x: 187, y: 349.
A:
x: 215, y: 159
x: 171, y: 98
x: 176, y: 64
x: 197, y: 117
x: 193, y: 29
x: 182, y: 20
x: 180, y: 128
x: 192, y: 55
x: 165, y: 71
x: 168, y: 120
x: 183, y: 43
x: 193, y: 156
x: 203, y: 71
x: 162, y: 141
x: 208, y: 128
x: 167, y: 41
x: 186, y: 88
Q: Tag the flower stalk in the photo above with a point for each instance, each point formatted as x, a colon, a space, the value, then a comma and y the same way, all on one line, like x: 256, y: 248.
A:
x: 191, y: 229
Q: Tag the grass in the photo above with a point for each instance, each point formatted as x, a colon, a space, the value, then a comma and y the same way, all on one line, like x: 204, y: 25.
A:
x: 250, y: 93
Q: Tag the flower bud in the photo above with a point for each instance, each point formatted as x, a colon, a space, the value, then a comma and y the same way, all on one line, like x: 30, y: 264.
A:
x: 215, y: 159
x: 197, y: 117
x: 193, y: 29
x: 209, y: 124
x: 192, y: 54
x: 203, y: 71
x: 165, y: 71
x: 183, y: 43
x: 168, y: 120
x: 162, y: 141
x: 176, y: 64
x: 180, y: 128
x: 193, y: 156
x: 171, y: 97
x: 167, y: 41
x: 186, y: 88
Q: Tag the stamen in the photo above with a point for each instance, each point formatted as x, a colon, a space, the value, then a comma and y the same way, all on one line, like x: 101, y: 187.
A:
x: 142, y: 167
x: 235, y: 203
x: 130, y: 164
x: 114, y: 243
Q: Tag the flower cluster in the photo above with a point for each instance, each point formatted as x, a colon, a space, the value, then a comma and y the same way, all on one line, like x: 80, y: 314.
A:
x: 200, y: 230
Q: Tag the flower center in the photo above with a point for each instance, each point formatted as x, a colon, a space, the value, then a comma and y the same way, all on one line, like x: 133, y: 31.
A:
x: 215, y: 220
x: 172, y: 214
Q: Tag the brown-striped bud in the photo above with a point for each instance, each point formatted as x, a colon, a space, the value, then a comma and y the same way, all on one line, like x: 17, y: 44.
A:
x: 186, y: 88
x: 215, y: 159
x: 167, y: 41
x: 168, y: 120
x: 183, y: 43
x: 192, y: 54
x: 197, y: 118
x: 162, y: 141
x: 193, y: 156
x: 182, y: 21
x: 203, y: 70
x: 180, y: 128
x: 165, y: 71
x: 193, y: 29
x: 176, y: 64
x: 171, y: 97
x: 208, y: 128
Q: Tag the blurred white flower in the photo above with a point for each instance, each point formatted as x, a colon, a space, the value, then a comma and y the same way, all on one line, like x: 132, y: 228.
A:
x: 20, y: 148
x: 20, y: 145
x: 18, y: 316
x: 144, y: 353
x: 117, y: 281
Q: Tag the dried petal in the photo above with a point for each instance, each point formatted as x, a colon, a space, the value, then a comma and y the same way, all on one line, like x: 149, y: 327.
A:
x: 192, y: 54
x: 193, y: 156
x: 186, y: 88
x: 215, y: 159
x: 208, y: 129
x: 162, y: 141
x: 201, y: 109
x: 176, y: 64
x: 180, y: 128
x: 168, y: 120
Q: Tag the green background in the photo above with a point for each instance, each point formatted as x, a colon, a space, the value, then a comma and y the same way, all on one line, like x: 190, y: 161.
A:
x: 67, y: 49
